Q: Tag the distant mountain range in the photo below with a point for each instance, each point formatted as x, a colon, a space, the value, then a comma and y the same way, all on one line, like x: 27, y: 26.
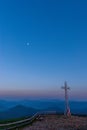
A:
x: 25, y: 108
x: 18, y: 111
x: 37, y: 104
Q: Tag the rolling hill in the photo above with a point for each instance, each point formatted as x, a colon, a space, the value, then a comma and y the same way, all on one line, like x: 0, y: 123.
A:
x: 17, y: 112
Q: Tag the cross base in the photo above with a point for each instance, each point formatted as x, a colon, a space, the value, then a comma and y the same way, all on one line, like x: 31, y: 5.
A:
x: 68, y: 113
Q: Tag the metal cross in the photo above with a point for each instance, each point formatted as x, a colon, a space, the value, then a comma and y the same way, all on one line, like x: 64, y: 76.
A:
x: 67, y: 109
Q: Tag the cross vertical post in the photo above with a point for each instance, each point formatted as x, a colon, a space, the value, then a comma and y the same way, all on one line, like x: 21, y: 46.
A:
x: 67, y: 108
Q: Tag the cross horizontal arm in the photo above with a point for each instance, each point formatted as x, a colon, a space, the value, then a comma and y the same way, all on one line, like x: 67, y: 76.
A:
x: 63, y: 87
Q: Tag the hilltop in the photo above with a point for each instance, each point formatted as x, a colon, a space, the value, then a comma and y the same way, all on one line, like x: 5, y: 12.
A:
x: 58, y: 122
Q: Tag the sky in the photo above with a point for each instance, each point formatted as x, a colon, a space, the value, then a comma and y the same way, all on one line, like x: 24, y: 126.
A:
x: 43, y: 43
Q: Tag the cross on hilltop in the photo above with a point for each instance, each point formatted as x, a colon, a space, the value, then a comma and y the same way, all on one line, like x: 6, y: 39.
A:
x: 67, y: 108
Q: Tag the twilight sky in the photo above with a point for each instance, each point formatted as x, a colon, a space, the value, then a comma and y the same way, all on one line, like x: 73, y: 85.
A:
x: 42, y: 44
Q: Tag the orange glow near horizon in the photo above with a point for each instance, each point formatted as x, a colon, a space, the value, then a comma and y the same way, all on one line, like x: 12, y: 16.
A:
x: 40, y: 94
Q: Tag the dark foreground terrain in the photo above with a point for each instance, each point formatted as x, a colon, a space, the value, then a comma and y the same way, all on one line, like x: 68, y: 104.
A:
x: 57, y: 122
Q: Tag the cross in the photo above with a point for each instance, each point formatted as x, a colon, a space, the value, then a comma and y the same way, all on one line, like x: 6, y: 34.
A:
x: 67, y: 109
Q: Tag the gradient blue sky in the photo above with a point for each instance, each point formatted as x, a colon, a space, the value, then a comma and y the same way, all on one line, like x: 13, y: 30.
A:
x: 56, y: 31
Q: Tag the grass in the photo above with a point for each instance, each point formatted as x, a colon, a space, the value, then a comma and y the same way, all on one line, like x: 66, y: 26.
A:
x: 12, y: 120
